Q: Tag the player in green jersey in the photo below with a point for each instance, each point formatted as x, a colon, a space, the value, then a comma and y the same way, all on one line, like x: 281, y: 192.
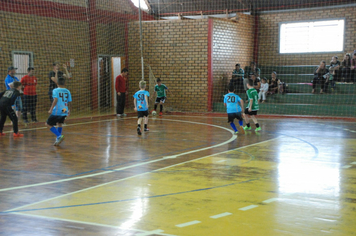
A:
x: 160, y: 89
x: 252, y: 106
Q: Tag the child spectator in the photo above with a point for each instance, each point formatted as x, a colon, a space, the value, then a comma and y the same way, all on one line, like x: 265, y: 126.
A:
x: 263, y: 90
x: 320, y: 77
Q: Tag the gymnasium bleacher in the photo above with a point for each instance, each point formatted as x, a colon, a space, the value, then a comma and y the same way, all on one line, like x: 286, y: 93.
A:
x: 299, y: 100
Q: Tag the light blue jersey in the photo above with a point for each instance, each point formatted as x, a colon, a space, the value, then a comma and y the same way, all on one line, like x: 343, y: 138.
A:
x: 63, y: 97
x: 231, y: 100
x: 141, y: 103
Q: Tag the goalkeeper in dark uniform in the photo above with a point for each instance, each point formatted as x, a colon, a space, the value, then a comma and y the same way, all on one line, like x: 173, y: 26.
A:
x: 7, y: 100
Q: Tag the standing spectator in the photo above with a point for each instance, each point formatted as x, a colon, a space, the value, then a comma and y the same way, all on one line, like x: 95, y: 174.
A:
x: 9, y: 81
x: 353, y: 67
x: 53, y: 78
x: 121, y: 90
x: 263, y: 90
x: 320, y: 77
x: 273, y: 84
x: 346, y: 67
x: 29, y: 82
x: 237, y: 78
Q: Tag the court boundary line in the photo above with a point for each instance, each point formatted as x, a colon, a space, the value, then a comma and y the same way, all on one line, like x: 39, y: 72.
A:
x: 114, y: 181
x: 233, y: 137
x: 85, y: 223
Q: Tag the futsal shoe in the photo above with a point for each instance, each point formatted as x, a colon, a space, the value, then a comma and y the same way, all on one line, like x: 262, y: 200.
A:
x: 160, y: 114
x: 257, y: 129
x: 247, y: 128
x: 18, y: 135
x: 146, y: 129
x: 60, y: 139
x: 139, y: 131
x: 237, y: 132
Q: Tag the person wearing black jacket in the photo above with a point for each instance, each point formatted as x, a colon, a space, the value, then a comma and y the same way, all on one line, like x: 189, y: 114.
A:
x: 7, y: 99
x: 320, y: 76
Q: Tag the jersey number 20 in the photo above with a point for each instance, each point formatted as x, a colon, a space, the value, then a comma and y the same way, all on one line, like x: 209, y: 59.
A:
x: 231, y: 99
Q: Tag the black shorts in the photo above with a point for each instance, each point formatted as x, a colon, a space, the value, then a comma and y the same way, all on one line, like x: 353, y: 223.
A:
x: 53, y: 120
x: 232, y: 116
x: 252, y: 113
x: 142, y: 114
x: 160, y: 99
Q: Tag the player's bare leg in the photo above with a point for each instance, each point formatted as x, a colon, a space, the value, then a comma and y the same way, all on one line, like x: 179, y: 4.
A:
x: 254, y: 119
x: 139, y: 121
x: 146, y: 124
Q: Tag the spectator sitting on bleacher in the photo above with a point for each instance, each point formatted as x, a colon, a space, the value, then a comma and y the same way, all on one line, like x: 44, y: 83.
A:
x: 253, y: 69
x: 256, y: 81
x: 273, y: 84
x: 320, y: 77
x: 237, y: 78
x: 346, y: 68
x: 263, y: 91
x: 335, y: 67
x: 353, y: 67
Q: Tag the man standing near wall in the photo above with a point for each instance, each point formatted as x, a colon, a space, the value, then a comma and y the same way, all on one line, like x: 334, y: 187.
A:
x: 52, y: 78
x: 29, y: 82
x: 237, y: 78
x: 121, y: 92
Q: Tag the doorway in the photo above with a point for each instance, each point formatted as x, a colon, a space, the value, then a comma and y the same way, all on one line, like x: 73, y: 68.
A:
x: 109, y: 67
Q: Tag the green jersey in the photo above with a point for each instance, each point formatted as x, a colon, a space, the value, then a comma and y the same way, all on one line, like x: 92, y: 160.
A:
x: 252, y: 94
x: 161, y: 90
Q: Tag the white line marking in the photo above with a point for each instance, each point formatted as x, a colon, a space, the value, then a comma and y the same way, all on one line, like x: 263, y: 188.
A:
x: 353, y: 163
x: 221, y: 215
x: 270, y: 200
x: 220, y: 161
x: 233, y: 137
x: 189, y: 223
x: 346, y: 166
x: 170, y: 157
x: 248, y: 207
x: 115, y: 181
x: 79, y: 222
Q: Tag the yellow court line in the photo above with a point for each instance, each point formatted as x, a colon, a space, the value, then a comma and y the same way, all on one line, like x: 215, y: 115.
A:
x: 115, y: 181
x: 233, y: 137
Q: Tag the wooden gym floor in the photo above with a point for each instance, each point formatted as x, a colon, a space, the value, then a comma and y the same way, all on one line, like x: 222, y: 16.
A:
x: 188, y: 176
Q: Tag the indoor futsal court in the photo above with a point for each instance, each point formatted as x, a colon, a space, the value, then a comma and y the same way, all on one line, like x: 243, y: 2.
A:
x: 178, y: 117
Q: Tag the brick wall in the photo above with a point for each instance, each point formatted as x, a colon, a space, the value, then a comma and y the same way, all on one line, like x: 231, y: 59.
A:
x: 232, y: 43
x: 54, y: 39
x: 177, y: 52
x: 50, y: 40
x: 268, y: 36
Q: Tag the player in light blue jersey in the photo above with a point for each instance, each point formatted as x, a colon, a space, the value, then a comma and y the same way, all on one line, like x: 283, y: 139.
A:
x: 234, y: 111
x: 59, y: 110
x: 141, y: 106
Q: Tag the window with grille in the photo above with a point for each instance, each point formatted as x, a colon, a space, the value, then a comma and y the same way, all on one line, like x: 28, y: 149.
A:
x: 312, y: 36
